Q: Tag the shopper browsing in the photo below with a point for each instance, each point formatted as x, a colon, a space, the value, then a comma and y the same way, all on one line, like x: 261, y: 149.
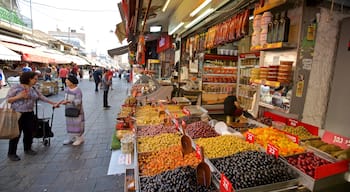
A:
x: 75, y: 125
x: 22, y: 98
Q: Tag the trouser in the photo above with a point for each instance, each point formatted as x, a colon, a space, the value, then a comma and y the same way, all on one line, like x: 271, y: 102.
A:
x: 96, y: 85
x: 26, y: 124
x: 105, y: 97
x: 63, y: 82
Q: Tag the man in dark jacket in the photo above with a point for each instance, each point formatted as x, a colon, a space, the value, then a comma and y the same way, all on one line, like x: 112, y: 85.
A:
x: 97, y: 77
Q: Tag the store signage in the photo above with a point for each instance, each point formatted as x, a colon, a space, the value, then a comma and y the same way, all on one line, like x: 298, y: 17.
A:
x: 225, y: 184
x: 272, y: 150
x: 250, y: 137
x: 336, y: 139
x: 198, y: 152
x: 164, y: 43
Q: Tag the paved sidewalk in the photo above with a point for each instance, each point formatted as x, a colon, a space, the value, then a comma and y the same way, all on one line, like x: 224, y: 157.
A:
x: 59, y: 168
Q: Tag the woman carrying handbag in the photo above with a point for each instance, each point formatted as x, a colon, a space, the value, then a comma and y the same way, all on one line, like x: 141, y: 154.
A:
x: 74, y: 112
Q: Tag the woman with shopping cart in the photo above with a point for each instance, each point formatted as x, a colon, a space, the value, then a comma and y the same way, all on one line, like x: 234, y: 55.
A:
x: 22, y: 98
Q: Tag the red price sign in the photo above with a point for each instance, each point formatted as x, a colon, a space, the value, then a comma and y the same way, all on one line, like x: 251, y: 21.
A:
x: 294, y: 138
x: 183, y: 124
x: 198, y: 152
x: 272, y: 150
x: 250, y: 137
x: 186, y: 112
x: 225, y: 184
x: 176, y: 122
x: 336, y: 139
x: 293, y: 122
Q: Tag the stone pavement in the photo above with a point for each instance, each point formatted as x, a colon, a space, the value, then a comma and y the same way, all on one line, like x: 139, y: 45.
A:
x: 58, y: 168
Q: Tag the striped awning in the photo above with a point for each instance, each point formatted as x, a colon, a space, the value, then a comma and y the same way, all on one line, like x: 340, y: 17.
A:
x: 8, y: 54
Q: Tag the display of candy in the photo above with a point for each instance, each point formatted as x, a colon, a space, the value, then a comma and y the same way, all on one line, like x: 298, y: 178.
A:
x: 301, y: 132
x: 225, y: 145
x: 200, y: 129
x: 158, y: 142
x: 252, y: 168
x: 153, y: 130
x: 307, y: 162
x: 265, y: 136
x: 163, y: 160
x: 182, y: 179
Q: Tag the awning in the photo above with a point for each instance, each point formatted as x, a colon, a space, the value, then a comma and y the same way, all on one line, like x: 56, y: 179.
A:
x: 118, y: 51
x: 8, y: 55
x: 29, y: 54
x: 78, y: 60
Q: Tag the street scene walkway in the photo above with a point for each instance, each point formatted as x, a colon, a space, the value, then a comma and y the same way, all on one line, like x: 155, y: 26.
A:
x: 62, y: 168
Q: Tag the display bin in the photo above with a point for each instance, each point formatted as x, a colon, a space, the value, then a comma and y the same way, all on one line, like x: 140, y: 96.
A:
x: 280, y: 186
x: 129, y: 183
x: 325, y: 175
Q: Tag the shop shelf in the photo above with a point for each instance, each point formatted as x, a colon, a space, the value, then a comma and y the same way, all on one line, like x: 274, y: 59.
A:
x: 266, y: 82
x: 251, y: 55
x: 273, y: 46
x: 269, y: 6
x: 220, y: 57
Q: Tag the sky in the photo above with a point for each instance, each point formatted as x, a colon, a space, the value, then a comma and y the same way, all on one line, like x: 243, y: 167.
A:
x: 97, y: 19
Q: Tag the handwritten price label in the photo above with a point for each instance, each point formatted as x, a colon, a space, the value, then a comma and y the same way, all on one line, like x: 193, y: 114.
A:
x: 272, y: 150
x: 198, y: 152
x: 225, y: 184
x: 250, y: 137
x: 183, y: 124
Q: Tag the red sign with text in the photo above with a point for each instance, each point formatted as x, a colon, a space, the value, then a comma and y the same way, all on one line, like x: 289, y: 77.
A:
x: 250, y: 137
x: 272, y: 150
x: 186, y: 112
x: 198, y: 152
x: 225, y: 184
x: 336, y: 139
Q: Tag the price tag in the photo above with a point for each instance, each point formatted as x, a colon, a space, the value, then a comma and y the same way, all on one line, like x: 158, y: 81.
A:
x: 272, y: 150
x: 183, y: 124
x: 250, y: 137
x: 225, y: 184
x: 176, y: 122
x: 294, y: 138
x: 186, y: 112
x: 292, y: 122
x: 335, y: 139
x: 198, y: 151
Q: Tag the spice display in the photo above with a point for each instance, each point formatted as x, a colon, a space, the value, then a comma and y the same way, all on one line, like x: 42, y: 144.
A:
x: 163, y: 160
x: 158, y: 142
x: 225, y: 145
x: 252, y: 168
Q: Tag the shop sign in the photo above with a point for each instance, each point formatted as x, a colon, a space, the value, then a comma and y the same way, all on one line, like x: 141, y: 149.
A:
x: 336, y: 139
x: 250, y: 137
x: 272, y: 150
x: 10, y: 16
x: 164, y: 43
x: 225, y: 184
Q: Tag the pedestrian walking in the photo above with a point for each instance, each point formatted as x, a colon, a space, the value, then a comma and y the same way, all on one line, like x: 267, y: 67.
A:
x: 63, y: 73
x: 75, y: 126
x: 106, y: 83
x: 22, y: 98
x: 97, y: 78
